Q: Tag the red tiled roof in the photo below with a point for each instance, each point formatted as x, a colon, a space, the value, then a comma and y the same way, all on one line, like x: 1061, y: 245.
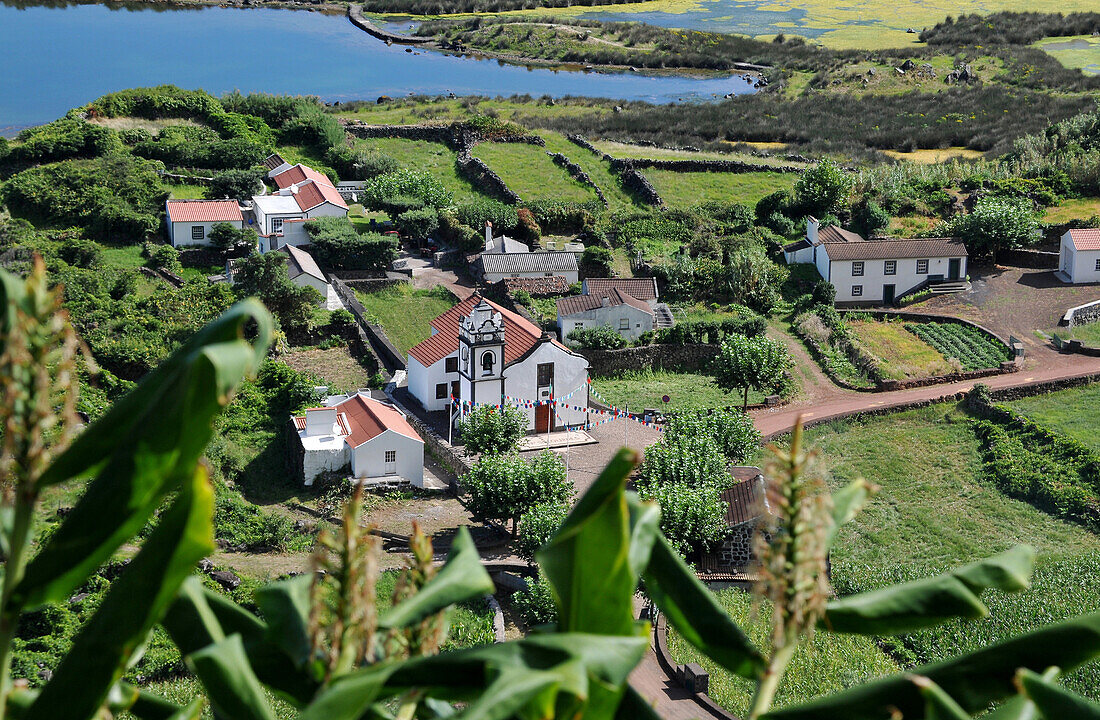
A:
x: 299, y: 173
x: 362, y: 418
x: 1085, y: 238
x: 641, y: 288
x: 273, y: 161
x: 203, y: 211
x: 311, y: 194
x: 896, y: 249
x: 520, y: 335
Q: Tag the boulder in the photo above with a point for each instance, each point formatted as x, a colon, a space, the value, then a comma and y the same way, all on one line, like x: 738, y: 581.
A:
x: 226, y: 578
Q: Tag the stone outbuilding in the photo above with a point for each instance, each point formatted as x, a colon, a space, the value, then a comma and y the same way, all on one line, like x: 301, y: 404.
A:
x: 746, y: 504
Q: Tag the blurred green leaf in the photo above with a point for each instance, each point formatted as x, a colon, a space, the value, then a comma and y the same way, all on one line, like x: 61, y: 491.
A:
x: 144, y: 705
x: 285, y: 606
x: 938, y: 705
x: 847, y: 502
x: 695, y: 614
x: 349, y: 696
x: 930, y: 601
x: 635, y: 707
x: 234, y: 691
x: 975, y: 680
x: 1054, y: 701
x: 200, y: 617
x: 589, y: 562
x: 461, y: 578
x: 134, y: 602
x: 144, y: 447
x: 1019, y: 707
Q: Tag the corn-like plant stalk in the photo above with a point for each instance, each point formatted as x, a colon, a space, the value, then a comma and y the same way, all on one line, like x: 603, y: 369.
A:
x: 791, y: 546
x: 38, y: 352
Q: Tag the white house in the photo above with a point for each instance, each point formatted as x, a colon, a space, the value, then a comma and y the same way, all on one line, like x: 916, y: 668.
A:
x: 479, y: 352
x: 303, y: 194
x: 371, y: 436
x: 303, y: 271
x: 1079, y: 259
x: 189, y: 221
x: 616, y: 309
x: 504, y: 258
x: 879, y: 270
x: 644, y: 288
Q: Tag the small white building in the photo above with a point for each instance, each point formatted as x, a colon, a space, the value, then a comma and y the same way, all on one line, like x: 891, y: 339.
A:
x: 504, y: 258
x: 879, y: 270
x: 482, y: 353
x: 616, y: 309
x: 189, y: 221
x: 303, y: 194
x: 303, y: 271
x: 1079, y: 257
x: 371, y: 436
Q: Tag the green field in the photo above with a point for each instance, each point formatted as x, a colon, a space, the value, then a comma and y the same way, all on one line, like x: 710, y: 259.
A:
x: 685, y: 390
x: 826, y: 664
x: 1088, y: 333
x: 694, y: 188
x: 183, y: 191
x: 405, y: 313
x: 1073, y: 412
x: 1073, y: 209
x: 436, y: 158
x: 530, y: 172
x: 936, y: 511
x: 600, y: 171
x: 902, y: 354
x: 626, y: 150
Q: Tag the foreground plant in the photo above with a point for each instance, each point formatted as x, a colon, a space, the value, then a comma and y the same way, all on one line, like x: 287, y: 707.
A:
x: 324, y: 648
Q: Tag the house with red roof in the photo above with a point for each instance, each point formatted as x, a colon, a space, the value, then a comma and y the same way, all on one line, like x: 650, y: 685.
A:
x: 627, y: 305
x: 481, y: 353
x: 1079, y: 256
x: 189, y: 221
x: 368, y: 438
x: 302, y: 194
x: 879, y: 270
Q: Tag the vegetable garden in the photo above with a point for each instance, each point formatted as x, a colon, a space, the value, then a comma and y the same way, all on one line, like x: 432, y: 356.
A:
x: 970, y: 346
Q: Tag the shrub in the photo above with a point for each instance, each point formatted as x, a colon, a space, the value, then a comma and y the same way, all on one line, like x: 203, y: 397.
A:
x: 406, y: 182
x: 596, y: 261
x: 237, y: 184
x: 537, y: 526
x: 334, y: 242
x: 601, y: 337
x: 80, y: 252
x: 693, y: 517
x: 418, y: 224
x: 996, y: 224
x: 241, y: 524
x: 504, y: 487
x: 824, y: 293
x: 487, y: 429
x: 475, y: 213
x: 527, y: 228
x: 231, y: 241
x: 165, y: 257
x: 536, y: 604
x: 732, y: 431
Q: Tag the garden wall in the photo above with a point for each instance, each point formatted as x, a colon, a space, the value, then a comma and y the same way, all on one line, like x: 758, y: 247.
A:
x: 650, y: 357
x: 1036, y: 259
x: 675, y: 673
x: 577, y: 173
x: 1082, y: 314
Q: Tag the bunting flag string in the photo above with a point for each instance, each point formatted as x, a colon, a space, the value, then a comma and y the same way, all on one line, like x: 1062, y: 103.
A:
x: 609, y: 415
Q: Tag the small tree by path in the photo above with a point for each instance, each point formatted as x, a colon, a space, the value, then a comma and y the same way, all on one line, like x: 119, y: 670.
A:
x: 487, y: 429
x: 745, y: 363
x: 504, y: 487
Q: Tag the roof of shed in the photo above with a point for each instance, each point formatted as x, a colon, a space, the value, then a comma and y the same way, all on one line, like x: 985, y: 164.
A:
x: 301, y: 262
x: 584, y: 303
x: 203, y: 211
x: 545, y: 262
x: 1085, y: 238
x: 641, y: 288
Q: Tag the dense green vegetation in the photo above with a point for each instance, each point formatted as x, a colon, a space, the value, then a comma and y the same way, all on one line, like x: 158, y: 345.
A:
x: 405, y: 313
x: 1068, y: 412
x: 971, y: 347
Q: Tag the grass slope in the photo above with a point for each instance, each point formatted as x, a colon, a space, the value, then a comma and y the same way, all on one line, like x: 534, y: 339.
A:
x: 600, y: 171
x: 405, y: 313
x: 902, y: 353
x: 694, y: 188
x: 530, y: 172
x: 686, y: 391
x: 436, y: 158
x: 1070, y: 412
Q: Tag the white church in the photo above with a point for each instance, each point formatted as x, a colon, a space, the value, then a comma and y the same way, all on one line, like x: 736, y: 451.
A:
x: 481, y: 353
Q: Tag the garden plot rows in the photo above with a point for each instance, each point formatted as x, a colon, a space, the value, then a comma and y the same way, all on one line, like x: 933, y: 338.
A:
x: 970, y: 346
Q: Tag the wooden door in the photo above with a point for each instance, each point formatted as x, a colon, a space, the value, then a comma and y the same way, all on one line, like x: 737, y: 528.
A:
x: 543, y: 414
x: 954, y: 266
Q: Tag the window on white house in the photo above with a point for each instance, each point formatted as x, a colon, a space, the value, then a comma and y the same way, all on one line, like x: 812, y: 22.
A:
x: 1098, y: 264
x: 391, y: 456
x: 451, y: 365
x: 198, y: 232
x: 922, y: 267
x: 857, y: 268
x: 857, y: 291
x: 624, y: 323
x: 441, y: 391
x: 890, y: 267
x: 578, y: 326
x: 276, y: 225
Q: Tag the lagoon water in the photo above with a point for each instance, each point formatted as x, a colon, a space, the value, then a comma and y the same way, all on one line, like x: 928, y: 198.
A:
x: 56, y: 58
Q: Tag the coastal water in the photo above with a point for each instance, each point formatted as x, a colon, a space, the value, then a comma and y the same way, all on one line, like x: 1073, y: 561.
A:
x: 58, y: 57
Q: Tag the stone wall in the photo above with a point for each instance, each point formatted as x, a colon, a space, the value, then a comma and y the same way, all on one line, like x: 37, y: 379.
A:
x: 1082, y: 314
x: 483, y: 178
x: 650, y: 357
x: 639, y: 184
x: 577, y: 173
x: 1037, y: 259
x: 355, y: 14
x: 430, y: 133
x: 700, y: 165
x: 736, y: 549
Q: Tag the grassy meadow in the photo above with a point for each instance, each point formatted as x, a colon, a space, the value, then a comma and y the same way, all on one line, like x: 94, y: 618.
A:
x: 530, y: 172
x: 436, y: 158
x: 405, y: 313
x: 902, y: 353
x: 1070, y: 412
x: 694, y: 188
x: 686, y: 391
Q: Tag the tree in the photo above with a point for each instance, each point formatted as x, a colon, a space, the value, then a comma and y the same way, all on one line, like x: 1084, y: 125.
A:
x: 236, y: 184
x: 732, y: 431
x: 419, y: 223
x: 596, y: 261
x: 527, y: 227
x: 420, y: 184
x: 537, y: 526
x: 335, y: 242
x: 823, y: 189
x: 504, y: 487
x: 755, y: 280
x: 487, y: 429
x: 231, y: 241
x: 685, y: 459
x: 869, y: 217
x: 996, y: 224
x: 693, y: 517
x: 265, y: 277
x: 601, y: 337
x: 745, y: 363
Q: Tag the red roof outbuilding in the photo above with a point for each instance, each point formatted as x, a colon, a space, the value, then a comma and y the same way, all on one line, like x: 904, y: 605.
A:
x: 203, y: 211
x: 1085, y: 238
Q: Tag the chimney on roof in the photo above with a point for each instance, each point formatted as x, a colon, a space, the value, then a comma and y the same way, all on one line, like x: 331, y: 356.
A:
x: 488, y: 236
x: 605, y: 301
x: 812, y: 226
x: 319, y: 421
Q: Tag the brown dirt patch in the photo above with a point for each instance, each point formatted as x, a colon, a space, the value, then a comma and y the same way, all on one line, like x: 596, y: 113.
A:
x: 336, y: 366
